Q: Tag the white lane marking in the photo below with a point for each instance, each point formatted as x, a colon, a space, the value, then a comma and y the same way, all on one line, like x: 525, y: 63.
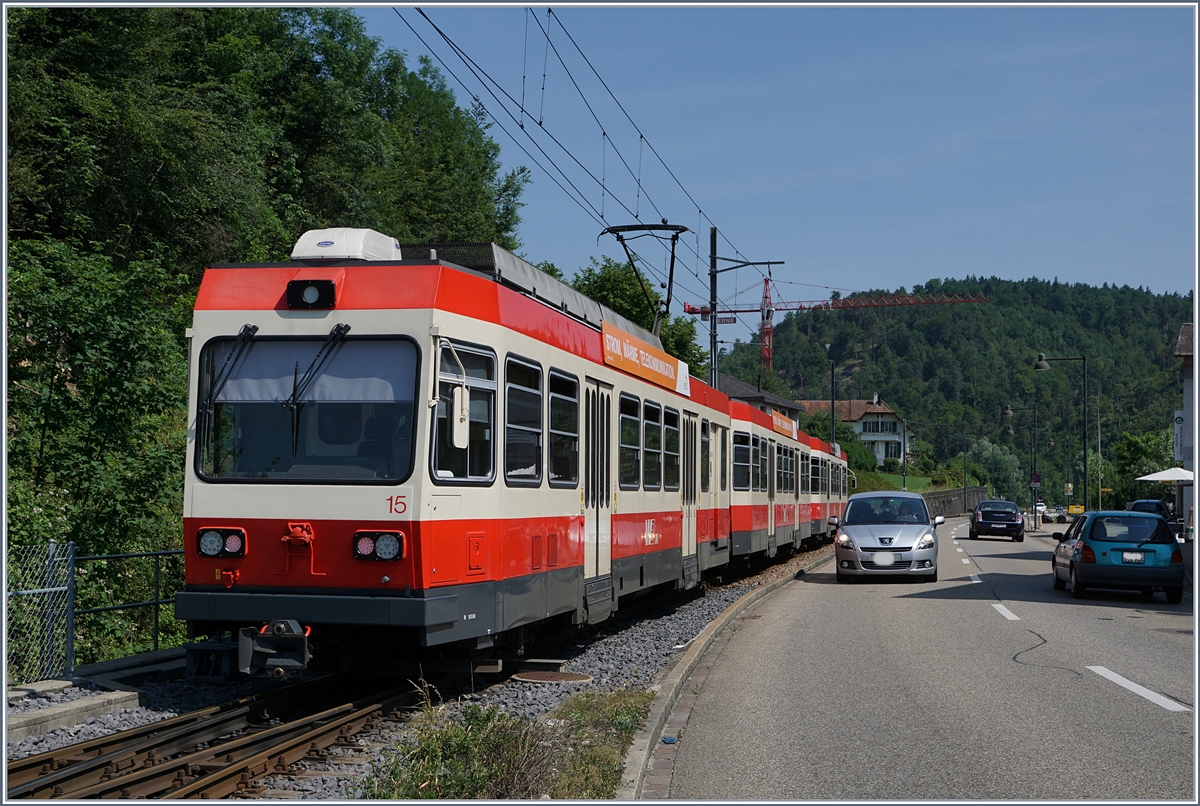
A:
x: 975, y: 578
x: 960, y: 551
x: 1008, y: 614
x: 956, y: 542
x: 966, y: 562
x: 1157, y: 699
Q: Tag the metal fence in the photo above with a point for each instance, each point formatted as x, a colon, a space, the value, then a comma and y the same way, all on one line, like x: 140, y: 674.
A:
x: 42, y: 611
x: 40, y: 627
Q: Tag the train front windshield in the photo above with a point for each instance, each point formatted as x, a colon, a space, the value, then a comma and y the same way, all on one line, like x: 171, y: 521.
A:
x: 352, y: 421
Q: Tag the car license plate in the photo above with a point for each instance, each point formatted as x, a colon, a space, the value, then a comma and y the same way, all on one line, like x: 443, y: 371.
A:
x: 1134, y: 557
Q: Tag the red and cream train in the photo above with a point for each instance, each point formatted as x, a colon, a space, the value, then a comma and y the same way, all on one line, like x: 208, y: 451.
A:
x: 433, y: 444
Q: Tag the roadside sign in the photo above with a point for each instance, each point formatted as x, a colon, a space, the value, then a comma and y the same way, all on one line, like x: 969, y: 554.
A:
x: 1035, y: 484
x: 1075, y: 509
x: 1035, y: 478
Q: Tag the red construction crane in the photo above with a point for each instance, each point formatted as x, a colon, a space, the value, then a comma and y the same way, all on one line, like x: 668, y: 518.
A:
x: 769, y: 307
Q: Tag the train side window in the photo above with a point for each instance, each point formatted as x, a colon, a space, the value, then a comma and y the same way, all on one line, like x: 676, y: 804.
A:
x: 475, y: 462
x: 780, y: 469
x: 628, y: 459
x: 651, y: 446
x: 741, y: 460
x: 814, y: 475
x: 705, y: 456
x: 563, y: 463
x: 724, y: 458
x: 670, y: 449
x: 804, y: 478
x: 755, y: 477
x: 522, y: 423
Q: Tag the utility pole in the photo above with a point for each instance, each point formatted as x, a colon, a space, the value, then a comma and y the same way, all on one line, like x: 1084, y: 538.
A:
x: 711, y: 312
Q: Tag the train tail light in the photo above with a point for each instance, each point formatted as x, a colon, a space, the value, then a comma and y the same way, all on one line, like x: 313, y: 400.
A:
x: 1086, y: 555
x: 379, y: 546
x: 221, y: 542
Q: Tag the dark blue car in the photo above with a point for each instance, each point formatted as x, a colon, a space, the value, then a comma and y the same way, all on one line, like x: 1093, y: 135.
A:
x: 1118, y: 549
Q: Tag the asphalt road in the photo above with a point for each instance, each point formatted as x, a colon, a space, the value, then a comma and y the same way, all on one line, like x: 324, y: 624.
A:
x: 997, y: 689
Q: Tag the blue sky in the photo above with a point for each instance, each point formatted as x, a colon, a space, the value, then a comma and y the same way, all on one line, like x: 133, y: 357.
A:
x: 867, y: 148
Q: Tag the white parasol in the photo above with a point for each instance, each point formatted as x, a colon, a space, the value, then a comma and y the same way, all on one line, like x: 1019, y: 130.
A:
x: 1168, y: 475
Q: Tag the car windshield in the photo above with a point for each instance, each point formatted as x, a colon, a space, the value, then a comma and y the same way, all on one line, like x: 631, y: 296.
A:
x: 997, y: 506
x: 886, y: 509
x: 1145, y: 506
x: 1126, y: 529
x: 353, y: 422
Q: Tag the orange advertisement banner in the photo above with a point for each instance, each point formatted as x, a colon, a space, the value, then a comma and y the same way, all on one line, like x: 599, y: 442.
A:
x: 783, y: 425
x: 631, y: 354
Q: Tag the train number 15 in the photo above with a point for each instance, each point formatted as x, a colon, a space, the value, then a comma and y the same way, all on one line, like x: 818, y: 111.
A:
x: 397, y: 505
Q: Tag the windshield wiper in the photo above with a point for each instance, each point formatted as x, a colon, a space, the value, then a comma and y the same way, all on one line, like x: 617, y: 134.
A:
x: 300, y: 384
x: 240, y: 345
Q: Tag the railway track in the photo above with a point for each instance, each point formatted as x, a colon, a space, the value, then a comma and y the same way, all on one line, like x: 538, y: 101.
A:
x: 215, y: 752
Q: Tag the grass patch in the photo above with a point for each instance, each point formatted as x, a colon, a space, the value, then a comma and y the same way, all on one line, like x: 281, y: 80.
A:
x: 577, y: 752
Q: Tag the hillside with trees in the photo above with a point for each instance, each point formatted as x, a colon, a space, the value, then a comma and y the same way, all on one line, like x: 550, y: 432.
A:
x: 952, y: 369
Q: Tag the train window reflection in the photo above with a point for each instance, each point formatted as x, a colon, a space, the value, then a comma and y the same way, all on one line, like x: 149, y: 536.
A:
x: 353, y: 423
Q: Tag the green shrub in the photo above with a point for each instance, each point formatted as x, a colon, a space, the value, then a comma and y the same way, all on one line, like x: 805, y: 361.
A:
x: 577, y: 752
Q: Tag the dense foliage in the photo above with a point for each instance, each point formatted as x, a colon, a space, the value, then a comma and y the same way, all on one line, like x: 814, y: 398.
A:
x: 951, y: 370
x: 146, y: 144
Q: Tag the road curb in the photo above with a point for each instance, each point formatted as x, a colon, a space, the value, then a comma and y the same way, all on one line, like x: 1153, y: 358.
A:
x: 638, y: 756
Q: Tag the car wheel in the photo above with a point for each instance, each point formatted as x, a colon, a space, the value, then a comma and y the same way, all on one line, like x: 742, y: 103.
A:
x: 932, y: 577
x: 1077, y: 589
x: 844, y: 578
x: 1174, y: 595
x: 1020, y: 538
x: 972, y: 534
x: 1059, y: 584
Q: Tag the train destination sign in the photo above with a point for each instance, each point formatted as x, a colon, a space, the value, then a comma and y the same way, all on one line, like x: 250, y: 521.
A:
x: 782, y: 424
x: 629, y: 353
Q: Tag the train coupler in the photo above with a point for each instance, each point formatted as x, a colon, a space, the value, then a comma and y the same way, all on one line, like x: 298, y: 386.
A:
x: 277, y: 648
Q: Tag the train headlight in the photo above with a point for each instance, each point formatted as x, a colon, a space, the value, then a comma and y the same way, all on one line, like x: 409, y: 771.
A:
x: 379, y: 545
x: 387, y: 547
x: 211, y: 543
x: 218, y: 542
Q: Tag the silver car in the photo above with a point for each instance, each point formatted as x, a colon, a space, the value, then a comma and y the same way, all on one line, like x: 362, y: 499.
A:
x: 886, y: 534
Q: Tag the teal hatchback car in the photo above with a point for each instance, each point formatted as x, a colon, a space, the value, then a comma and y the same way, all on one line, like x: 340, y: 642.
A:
x: 1119, y: 549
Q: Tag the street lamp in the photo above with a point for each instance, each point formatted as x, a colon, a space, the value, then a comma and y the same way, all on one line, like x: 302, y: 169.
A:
x: 1041, y: 365
x: 832, y: 401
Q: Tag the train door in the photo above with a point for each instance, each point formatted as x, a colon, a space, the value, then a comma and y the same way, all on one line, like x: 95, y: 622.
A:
x: 772, y: 541
x: 691, y: 563
x: 597, y: 501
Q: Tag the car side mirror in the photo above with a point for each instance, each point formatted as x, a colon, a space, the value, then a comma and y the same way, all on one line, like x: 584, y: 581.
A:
x: 833, y: 521
x: 1059, y: 536
x: 939, y: 520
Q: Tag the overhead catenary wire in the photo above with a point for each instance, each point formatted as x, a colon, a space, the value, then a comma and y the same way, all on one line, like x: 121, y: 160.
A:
x: 558, y: 19
x: 578, y: 197
x: 575, y: 193
x: 477, y: 72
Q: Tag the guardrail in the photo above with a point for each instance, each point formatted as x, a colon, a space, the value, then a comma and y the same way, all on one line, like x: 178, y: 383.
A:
x: 42, y: 609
